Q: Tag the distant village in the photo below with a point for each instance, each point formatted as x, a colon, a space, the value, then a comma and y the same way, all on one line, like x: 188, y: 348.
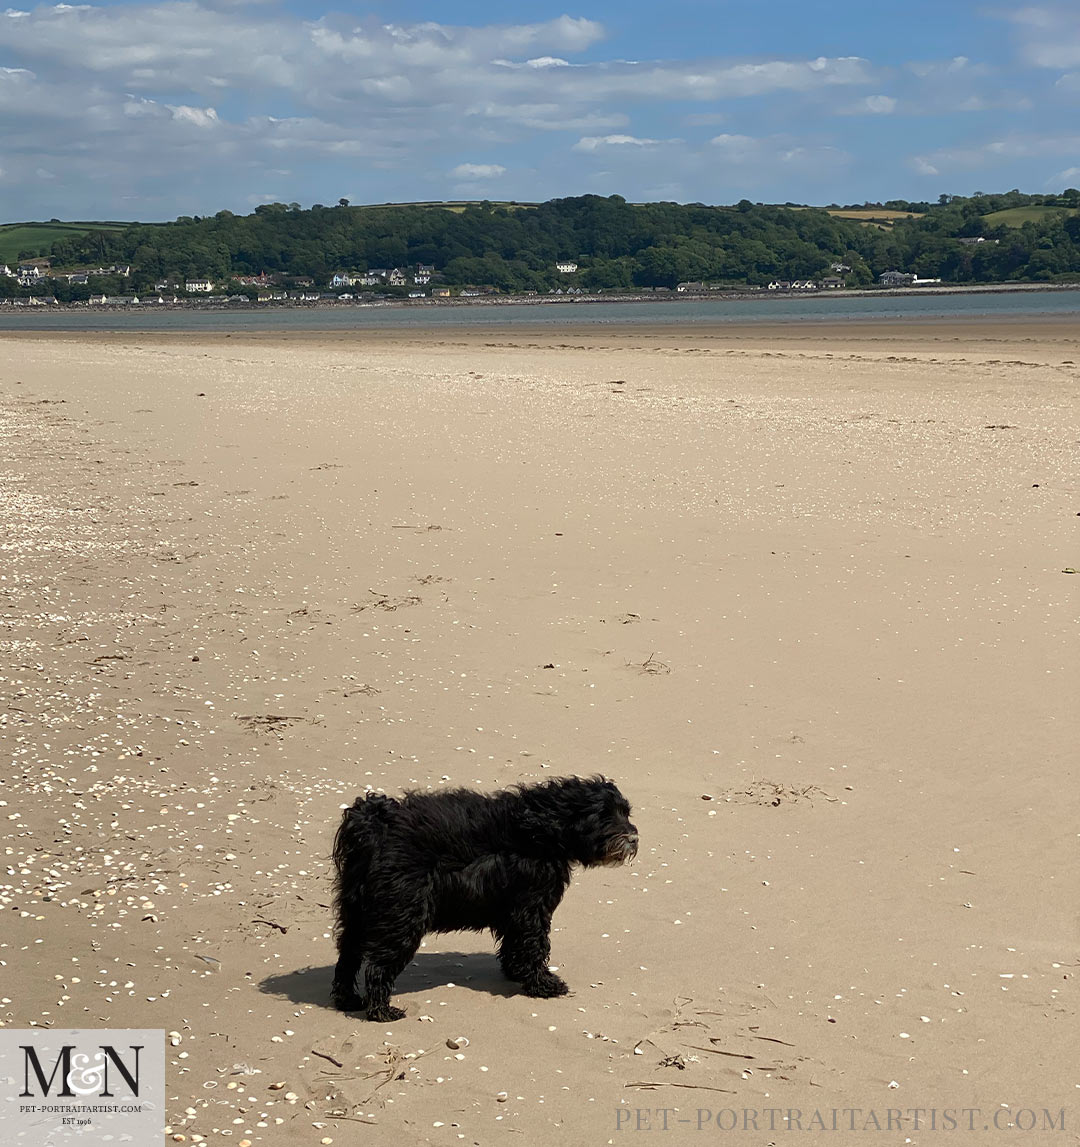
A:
x: 346, y: 286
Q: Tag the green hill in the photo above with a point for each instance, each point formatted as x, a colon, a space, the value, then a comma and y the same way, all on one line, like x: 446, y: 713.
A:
x: 514, y: 247
x: 39, y: 237
x: 1018, y: 216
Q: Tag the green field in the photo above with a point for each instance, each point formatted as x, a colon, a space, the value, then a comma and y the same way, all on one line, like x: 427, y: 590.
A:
x: 880, y: 217
x: 1018, y: 216
x: 16, y: 237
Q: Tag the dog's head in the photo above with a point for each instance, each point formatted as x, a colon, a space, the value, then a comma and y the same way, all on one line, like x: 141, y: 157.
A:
x: 597, y: 828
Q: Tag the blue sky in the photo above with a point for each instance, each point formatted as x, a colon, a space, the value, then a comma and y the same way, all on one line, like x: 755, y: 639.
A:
x: 148, y: 110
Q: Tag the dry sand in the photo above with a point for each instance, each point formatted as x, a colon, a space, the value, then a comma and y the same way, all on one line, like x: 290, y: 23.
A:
x: 804, y: 595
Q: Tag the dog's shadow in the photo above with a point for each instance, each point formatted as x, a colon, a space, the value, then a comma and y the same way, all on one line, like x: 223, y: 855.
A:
x: 477, y: 971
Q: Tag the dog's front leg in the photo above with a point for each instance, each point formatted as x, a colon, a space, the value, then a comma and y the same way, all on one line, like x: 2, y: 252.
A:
x: 524, y: 951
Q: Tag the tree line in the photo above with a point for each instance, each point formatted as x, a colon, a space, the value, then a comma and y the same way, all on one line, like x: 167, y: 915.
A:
x: 616, y: 244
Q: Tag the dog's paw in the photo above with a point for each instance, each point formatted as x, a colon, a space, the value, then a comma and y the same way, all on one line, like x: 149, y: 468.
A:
x: 386, y: 1014
x: 545, y: 986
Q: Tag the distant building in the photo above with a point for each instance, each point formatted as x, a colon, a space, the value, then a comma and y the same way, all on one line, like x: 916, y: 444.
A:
x: 30, y: 273
x: 567, y: 268
x: 896, y: 279
x: 198, y: 286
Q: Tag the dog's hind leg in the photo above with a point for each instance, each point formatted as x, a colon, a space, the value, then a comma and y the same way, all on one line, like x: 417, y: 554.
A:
x: 385, y: 960
x: 343, y: 993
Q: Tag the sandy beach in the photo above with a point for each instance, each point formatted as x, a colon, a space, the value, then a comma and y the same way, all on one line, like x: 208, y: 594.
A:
x: 807, y: 595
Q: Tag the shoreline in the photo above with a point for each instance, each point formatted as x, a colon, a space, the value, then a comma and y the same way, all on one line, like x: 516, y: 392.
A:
x: 1015, y: 338
x: 941, y: 290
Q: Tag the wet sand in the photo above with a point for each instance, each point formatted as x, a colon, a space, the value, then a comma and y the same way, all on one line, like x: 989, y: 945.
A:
x: 801, y: 592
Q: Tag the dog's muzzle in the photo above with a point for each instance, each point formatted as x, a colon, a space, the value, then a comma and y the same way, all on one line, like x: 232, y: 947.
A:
x: 621, y: 849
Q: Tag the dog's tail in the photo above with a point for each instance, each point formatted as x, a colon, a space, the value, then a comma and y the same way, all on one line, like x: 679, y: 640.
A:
x: 362, y: 828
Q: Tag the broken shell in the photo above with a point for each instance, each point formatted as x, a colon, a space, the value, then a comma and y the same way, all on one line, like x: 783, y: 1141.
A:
x: 456, y: 1042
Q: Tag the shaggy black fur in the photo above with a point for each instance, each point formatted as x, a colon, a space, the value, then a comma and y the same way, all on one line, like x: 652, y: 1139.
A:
x: 459, y: 859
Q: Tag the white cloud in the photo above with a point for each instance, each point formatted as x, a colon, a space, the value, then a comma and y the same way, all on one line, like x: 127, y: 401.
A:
x: 1050, y: 35
x: 879, y: 105
x: 200, y: 117
x: 732, y: 165
x: 1070, y: 177
x: 956, y: 66
x: 775, y: 151
x: 996, y: 152
x: 548, y: 116
x: 537, y: 62
x: 595, y: 142
x: 478, y: 171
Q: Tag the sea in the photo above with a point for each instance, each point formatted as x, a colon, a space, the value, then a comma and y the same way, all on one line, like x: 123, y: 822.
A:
x: 345, y: 317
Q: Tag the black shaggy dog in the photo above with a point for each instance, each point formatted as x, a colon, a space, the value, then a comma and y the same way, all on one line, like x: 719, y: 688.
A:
x: 458, y: 859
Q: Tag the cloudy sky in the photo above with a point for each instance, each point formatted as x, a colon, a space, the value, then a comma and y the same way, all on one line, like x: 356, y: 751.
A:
x: 148, y: 110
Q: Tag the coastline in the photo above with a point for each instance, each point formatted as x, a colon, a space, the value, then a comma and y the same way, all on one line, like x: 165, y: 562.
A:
x: 978, y: 338
x: 672, y: 296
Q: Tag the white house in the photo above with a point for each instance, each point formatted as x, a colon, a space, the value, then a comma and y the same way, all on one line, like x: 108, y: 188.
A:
x: 567, y: 268
x: 396, y: 278
x: 195, y: 286
x: 344, y: 279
